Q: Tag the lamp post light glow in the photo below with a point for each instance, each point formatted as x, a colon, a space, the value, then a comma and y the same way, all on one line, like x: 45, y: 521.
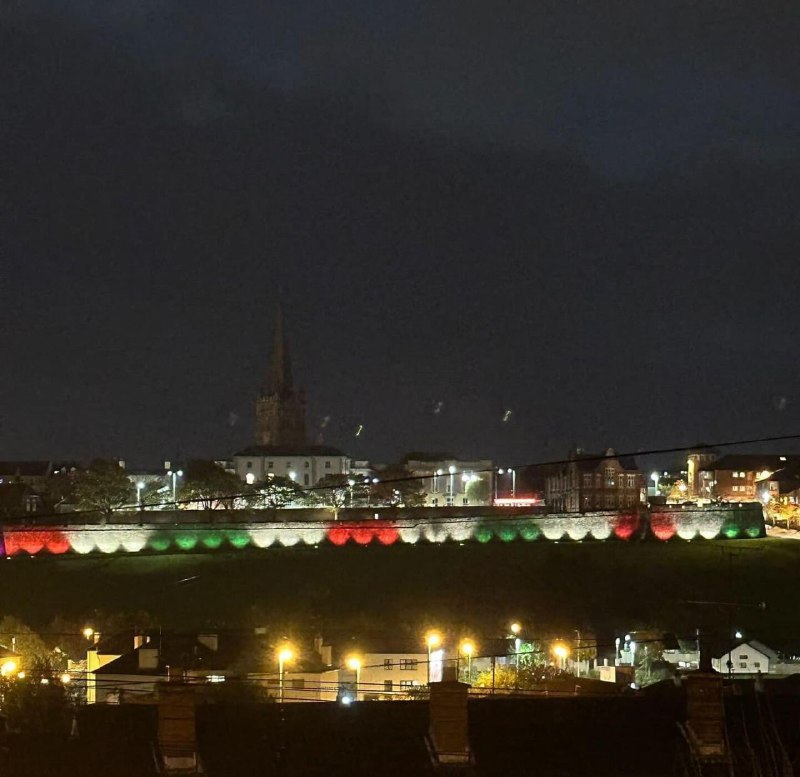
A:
x: 88, y: 632
x: 560, y: 651
x: 285, y: 654
x: 467, y: 647
x: 8, y: 667
x: 655, y: 478
x: 139, y: 487
x: 513, y: 483
x: 433, y: 640
x: 353, y: 663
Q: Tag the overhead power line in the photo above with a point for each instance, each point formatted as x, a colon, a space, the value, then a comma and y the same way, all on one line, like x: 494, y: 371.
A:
x: 412, y: 478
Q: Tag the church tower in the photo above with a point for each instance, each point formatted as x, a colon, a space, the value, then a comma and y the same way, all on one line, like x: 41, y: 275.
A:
x: 281, y: 409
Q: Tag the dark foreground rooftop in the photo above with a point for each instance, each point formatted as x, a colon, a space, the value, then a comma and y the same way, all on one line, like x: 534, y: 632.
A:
x: 636, y: 736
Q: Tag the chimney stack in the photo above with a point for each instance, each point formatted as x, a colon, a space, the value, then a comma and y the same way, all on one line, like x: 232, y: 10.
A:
x: 448, y: 720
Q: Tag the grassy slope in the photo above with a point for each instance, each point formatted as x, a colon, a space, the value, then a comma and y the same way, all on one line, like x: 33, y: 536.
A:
x: 607, y: 586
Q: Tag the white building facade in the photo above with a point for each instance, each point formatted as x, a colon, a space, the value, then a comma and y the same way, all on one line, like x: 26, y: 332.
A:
x: 305, y: 465
x: 450, y: 482
x: 748, y: 658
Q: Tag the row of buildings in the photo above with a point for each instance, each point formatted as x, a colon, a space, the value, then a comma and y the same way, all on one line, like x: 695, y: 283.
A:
x: 583, y: 482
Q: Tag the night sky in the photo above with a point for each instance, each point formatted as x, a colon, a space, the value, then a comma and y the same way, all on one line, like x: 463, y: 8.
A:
x: 585, y: 213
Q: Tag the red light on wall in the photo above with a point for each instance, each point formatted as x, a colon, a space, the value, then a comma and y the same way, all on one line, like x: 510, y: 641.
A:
x: 338, y: 535
x: 33, y: 542
x: 625, y: 525
x: 387, y: 535
x: 663, y: 526
x: 363, y: 534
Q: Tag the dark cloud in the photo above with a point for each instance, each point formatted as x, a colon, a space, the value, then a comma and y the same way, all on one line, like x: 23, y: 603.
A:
x: 586, y: 214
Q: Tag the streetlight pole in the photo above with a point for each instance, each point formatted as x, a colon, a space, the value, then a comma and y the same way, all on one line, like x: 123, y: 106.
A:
x: 452, y: 470
x: 433, y: 640
x: 284, y: 654
x: 175, y: 476
x: 354, y: 664
x: 516, y: 628
x: 513, y: 483
x: 139, y: 487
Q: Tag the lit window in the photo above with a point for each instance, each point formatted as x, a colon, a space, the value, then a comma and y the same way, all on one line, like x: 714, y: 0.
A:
x: 609, y: 476
x: 406, y: 683
x: 736, y: 474
x: 609, y: 500
x: 587, y: 481
x: 631, y: 481
x: 387, y: 664
x: 408, y: 664
x: 216, y: 678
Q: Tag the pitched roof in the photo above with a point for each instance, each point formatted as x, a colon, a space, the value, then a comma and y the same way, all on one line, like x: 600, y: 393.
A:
x: 589, y: 462
x: 289, y: 450
x: 25, y: 468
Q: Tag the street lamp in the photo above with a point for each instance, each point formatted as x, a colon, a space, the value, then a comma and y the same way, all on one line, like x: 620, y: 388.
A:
x: 175, y: 476
x: 285, y: 654
x: 513, y: 482
x: 8, y: 667
x: 452, y: 470
x: 292, y: 475
x: 516, y: 628
x: 560, y: 651
x: 655, y: 478
x: 354, y: 664
x: 468, y: 648
x: 432, y: 639
x: 139, y: 487
x: 88, y: 632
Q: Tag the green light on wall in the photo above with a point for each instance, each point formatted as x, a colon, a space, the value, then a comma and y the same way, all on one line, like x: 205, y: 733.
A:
x: 530, y: 533
x: 160, y: 542
x: 484, y: 534
x: 239, y: 539
x: 753, y: 531
x: 507, y: 533
x: 731, y: 530
x: 186, y: 541
x: 213, y: 539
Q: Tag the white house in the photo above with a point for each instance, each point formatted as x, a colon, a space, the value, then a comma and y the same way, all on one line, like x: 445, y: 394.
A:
x: 306, y: 465
x: 751, y: 657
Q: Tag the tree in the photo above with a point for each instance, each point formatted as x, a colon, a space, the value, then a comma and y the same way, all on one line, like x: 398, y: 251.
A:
x: 40, y: 704
x: 209, y: 486
x: 22, y: 639
x: 103, y: 488
x: 274, y: 493
x: 479, y: 490
x: 333, y: 491
x: 396, y: 488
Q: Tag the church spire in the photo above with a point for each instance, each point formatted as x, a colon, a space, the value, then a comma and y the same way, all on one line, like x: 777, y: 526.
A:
x: 280, y: 373
x: 281, y: 409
